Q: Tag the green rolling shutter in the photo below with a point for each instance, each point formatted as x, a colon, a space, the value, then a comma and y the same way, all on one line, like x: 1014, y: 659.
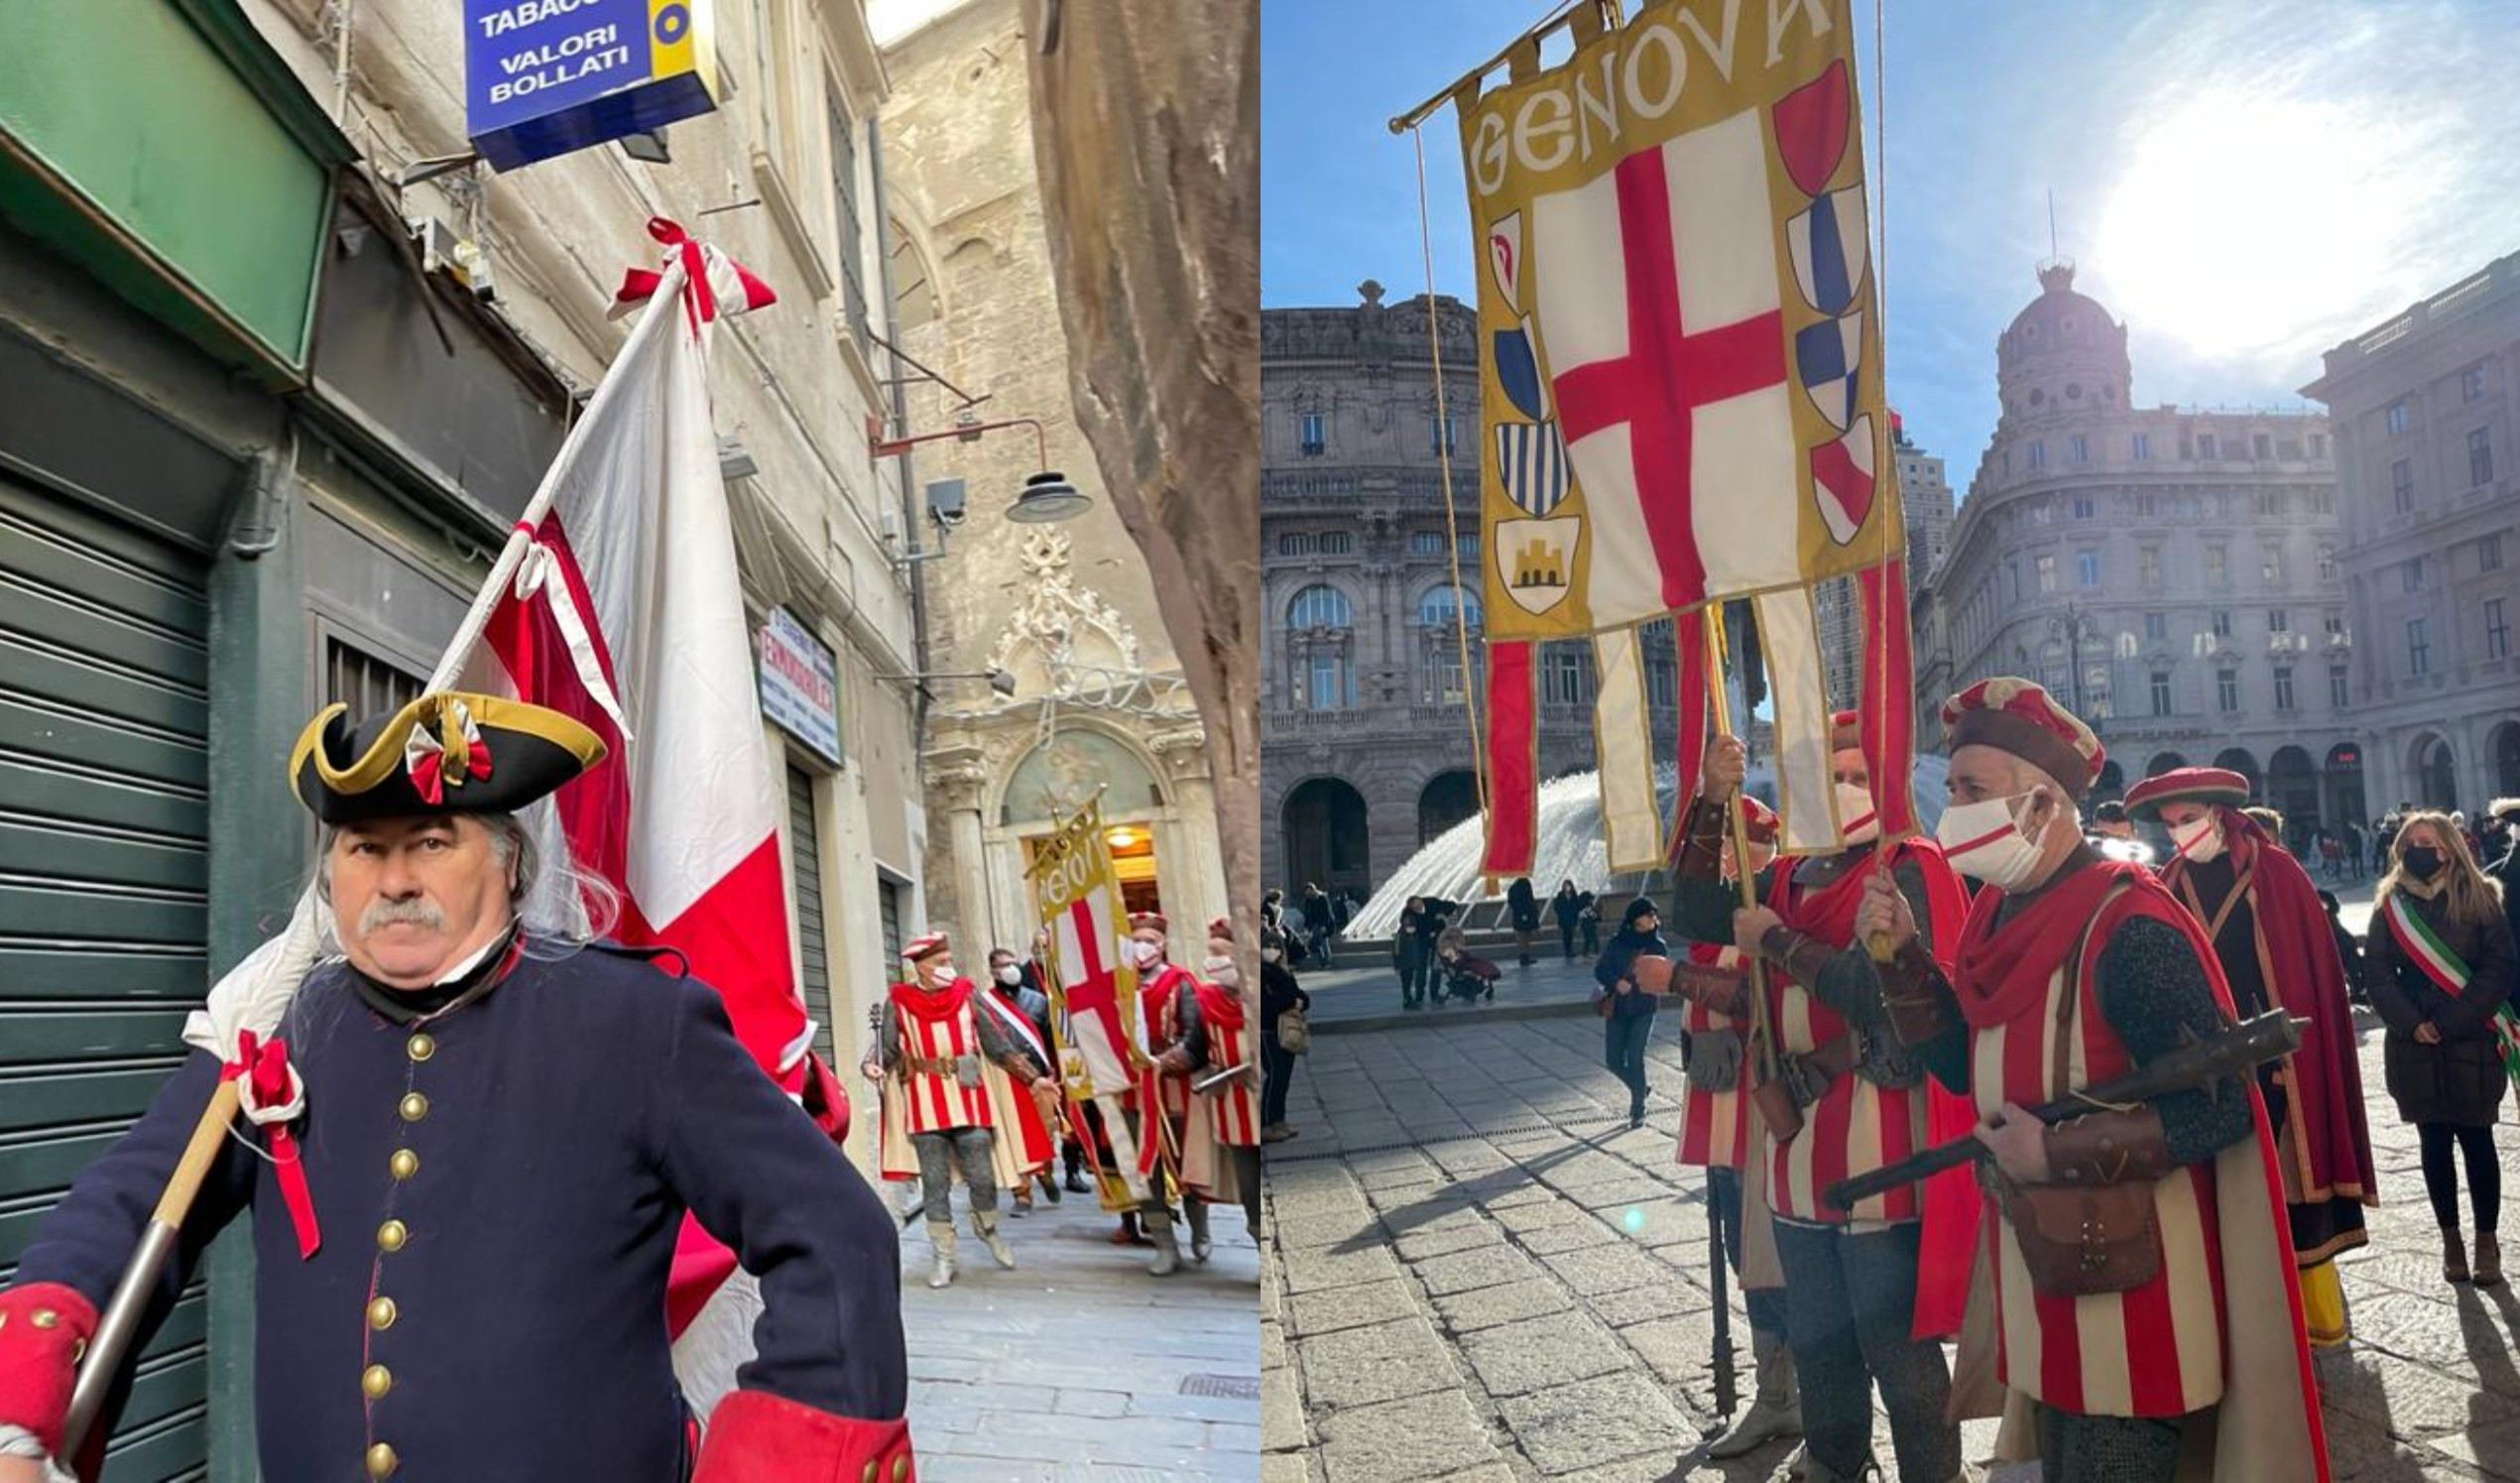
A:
x: 104, y: 887
x: 804, y: 843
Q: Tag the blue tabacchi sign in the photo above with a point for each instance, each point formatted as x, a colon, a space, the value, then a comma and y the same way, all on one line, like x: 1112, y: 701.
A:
x: 545, y: 77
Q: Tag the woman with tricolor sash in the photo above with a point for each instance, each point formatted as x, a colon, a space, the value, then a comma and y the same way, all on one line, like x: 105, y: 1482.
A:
x: 2439, y: 966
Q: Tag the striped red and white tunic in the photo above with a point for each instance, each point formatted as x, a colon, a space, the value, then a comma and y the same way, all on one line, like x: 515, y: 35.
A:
x: 2154, y: 1350
x: 1714, y: 1126
x: 1159, y: 1010
x: 1231, y: 1104
x: 932, y: 1031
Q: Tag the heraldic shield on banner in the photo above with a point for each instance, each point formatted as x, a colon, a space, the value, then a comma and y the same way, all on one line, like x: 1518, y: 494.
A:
x: 1093, y: 997
x: 1682, y: 382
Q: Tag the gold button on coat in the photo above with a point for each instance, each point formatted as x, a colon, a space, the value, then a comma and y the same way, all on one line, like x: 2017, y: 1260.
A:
x: 405, y: 1164
x: 375, y: 1381
x: 382, y: 1313
x: 900, y: 1467
x: 45, y: 1318
x: 872, y: 1473
x: 382, y: 1461
x: 391, y: 1235
x: 415, y: 1107
x: 422, y: 1047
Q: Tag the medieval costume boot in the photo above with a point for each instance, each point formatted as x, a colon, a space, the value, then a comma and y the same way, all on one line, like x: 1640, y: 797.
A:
x: 2489, y: 1260
x: 1156, y: 1219
x: 1775, y: 1411
x: 940, y: 1235
x: 984, y: 1224
x: 1196, y: 1211
x: 2453, y: 1256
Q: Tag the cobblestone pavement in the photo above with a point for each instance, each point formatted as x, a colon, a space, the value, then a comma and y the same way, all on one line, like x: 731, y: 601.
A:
x: 1077, y: 1367
x: 1478, y: 1272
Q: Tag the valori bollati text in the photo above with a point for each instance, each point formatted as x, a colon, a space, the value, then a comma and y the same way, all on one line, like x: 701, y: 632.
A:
x: 594, y: 49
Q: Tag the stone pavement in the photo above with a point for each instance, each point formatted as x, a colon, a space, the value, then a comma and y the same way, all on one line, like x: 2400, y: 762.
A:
x: 1478, y: 1272
x: 1077, y: 1367
x: 1362, y: 997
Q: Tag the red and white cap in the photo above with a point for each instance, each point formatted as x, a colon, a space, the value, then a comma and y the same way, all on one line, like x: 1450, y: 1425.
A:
x: 2016, y: 716
x: 925, y: 947
x: 1141, y: 921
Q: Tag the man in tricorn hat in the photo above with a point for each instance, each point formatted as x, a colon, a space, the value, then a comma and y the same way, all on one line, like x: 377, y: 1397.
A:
x: 2277, y: 951
x: 485, y: 1134
x: 949, y: 1070
x: 2133, y: 1291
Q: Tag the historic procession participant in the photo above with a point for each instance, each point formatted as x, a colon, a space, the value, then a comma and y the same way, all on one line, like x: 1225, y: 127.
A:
x: 1230, y: 1106
x: 2272, y: 938
x: 1715, y: 1135
x: 1856, y: 1101
x: 1172, y: 1152
x: 949, y: 1068
x: 479, y: 1135
x: 2134, y: 1291
x: 1013, y: 997
x: 2439, y: 963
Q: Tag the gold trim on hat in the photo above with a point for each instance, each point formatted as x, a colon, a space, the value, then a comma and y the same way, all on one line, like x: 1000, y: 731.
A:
x: 384, y: 756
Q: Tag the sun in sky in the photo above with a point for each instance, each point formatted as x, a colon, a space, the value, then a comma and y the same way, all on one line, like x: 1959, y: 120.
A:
x: 2242, y: 221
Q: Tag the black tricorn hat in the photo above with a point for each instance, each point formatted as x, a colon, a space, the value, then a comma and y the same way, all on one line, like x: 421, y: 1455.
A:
x: 448, y: 752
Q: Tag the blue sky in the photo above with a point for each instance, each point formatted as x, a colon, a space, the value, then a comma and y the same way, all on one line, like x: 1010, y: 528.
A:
x: 2244, y: 183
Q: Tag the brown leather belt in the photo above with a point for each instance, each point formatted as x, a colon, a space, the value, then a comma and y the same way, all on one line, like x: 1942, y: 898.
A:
x: 924, y: 1066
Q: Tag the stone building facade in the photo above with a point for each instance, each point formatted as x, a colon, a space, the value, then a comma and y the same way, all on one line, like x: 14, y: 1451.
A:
x: 2173, y: 575
x: 1098, y: 707
x: 1365, y: 702
x: 1926, y: 504
x: 2426, y: 409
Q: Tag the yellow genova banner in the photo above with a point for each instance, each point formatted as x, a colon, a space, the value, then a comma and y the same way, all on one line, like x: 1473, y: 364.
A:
x: 1681, y: 361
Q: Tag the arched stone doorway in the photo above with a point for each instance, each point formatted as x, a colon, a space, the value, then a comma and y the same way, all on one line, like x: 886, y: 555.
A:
x: 2346, y: 802
x: 1325, y: 833
x: 2164, y: 761
x: 2507, y: 759
x: 2292, y: 786
x: 1447, y: 798
x: 2436, y: 771
x: 1083, y: 765
x: 2238, y: 760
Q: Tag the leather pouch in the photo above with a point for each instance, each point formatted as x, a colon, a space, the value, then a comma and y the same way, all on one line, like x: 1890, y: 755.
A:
x: 2079, y: 1241
x: 1777, y: 1108
x: 967, y: 1071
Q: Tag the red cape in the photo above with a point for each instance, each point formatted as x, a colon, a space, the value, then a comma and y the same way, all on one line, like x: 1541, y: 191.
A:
x: 2333, y: 1142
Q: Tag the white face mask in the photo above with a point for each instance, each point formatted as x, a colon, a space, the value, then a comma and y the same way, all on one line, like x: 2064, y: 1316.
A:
x: 1984, y: 840
x: 1147, y: 954
x: 940, y: 973
x: 1856, y: 818
x: 1221, y: 970
x: 1270, y: 954
x: 2199, y: 838
x: 1010, y: 975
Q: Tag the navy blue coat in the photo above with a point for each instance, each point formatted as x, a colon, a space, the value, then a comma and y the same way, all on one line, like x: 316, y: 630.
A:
x: 572, y: 1114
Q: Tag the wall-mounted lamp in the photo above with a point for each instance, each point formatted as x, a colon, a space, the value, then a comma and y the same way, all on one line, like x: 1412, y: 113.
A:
x: 1047, y: 496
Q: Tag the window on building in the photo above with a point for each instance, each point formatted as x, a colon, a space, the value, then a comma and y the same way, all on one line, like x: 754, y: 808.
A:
x: 368, y: 683
x: 1442, y: 685
x: 2317, y: 445
x: 2418, y: 647
x: 2327, y: 564
x: 2411, y: 575
x: 2205, y: 446
x: 2141, y: 446
x: 2084, y: 509
x: 1297, y: 543
x: 1320, y: 606
x: 1337, y: 542
x: 2260, y: 446
x: 2156, y: 628
x: 2086, y: 567
x: 1426, y: 543
x: 2270, y: 565
x: 2335, y: 623
x: 2148, y: 504
x: 2043, y: 513
x: 2278, y: 621
x: 2472, y: 383
x: 2038, y: 452
x: 1562, y: 677
x: 1330, y: 687
x: 2187, y: 447
x: 2397, y: 418
x: 2047, y: 574
x: 1438, y: 608
x: 2481, y: 458
x: 2008, y: 460
x: 2077, y: 449
x: 1316, y: 434
x: 844, y: 204
x: 2402, y: 485
x: 2270, y: 504
x: 2149, y: 566
x: 2161, y: 693
x: 2336, y: 686
x: 2227, y: 690
x: 2490, y: 552
x: 2497, y: 631
x: 1442, y: 433
x: 2323, y: 500
x: 1469, y: 544
x: 2218, y: 566
x: 2221, y: 623
x: 2288, y: 449
x: 2283, y: 687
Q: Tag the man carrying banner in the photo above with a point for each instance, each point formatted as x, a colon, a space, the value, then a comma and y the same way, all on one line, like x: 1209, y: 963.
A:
x: 460, y: 1271
x: 2277, y: 951
x: 949, y: 1067
x: 1853, y: 1100
x: 1173, y: 1146
x: 2135, y: 1292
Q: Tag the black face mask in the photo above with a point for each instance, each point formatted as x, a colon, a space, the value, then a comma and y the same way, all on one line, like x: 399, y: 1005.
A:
x: 2422, y: 862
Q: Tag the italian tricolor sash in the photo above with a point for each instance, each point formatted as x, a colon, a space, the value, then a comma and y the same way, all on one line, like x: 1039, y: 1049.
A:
x: 2417, y: 940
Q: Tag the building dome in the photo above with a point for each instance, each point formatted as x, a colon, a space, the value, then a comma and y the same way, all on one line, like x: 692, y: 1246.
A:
x: 2062, y: 354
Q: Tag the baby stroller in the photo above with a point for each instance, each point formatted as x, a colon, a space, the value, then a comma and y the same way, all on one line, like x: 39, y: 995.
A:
x: 1461, y: 973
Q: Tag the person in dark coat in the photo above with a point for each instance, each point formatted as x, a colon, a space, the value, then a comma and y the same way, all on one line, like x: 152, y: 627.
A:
x: 1279, y: 992
x: 1319, y: 924
x: 1627, y: 1011
x: 2504, y: 865
x: 1522, y: 906
x: 483, y: 1136
x: 1568, y: 908
x: 2348, y: 948
x: 1589, y: 920
x: 2439, y: 961
x: 1422, y: 921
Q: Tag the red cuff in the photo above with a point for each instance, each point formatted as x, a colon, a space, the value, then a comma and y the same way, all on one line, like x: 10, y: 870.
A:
x: 758, y: 1437
x: 44, y: 1330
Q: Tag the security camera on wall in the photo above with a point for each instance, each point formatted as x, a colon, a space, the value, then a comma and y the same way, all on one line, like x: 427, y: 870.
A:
x: 945, y: 502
